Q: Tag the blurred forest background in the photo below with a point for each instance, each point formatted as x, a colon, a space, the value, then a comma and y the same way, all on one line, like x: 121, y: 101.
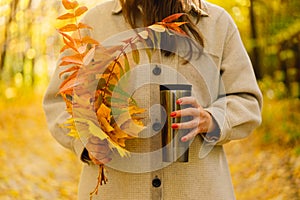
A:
x: 264, y: 166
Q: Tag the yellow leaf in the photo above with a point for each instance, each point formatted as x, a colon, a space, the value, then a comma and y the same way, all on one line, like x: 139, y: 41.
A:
x: 104, y: 111
x: 157, y: 28
x: 144, y: 34
x: 96, y: 131
x: 105, y: 125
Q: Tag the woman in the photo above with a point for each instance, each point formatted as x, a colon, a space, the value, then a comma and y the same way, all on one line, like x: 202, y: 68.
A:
x: 216, y: 120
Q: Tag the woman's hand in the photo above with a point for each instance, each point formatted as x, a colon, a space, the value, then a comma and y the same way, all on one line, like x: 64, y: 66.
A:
x: 99, y: 150
x: 202, y: 121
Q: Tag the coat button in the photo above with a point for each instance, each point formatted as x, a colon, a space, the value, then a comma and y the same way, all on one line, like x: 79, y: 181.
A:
x: 156, y: 71
x: 156, y: 126
x: 156, y: 182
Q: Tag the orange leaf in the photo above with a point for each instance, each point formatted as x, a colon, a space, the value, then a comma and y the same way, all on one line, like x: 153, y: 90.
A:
x: 66, y: 16
x: 176, y: 28
x: 70, y: 44
x: 67, y: 36
x: 74, y: 68
x: 73, y: 59
x: 173, y: 17
x: 135, y: 53
x: 69, y: 85
x: 81, y: 25
x: 89, y: 56
x: 65, y: 63
x: 68, y: 28
x: 177, y: 23
x: 69, y: 5
x: 64, y: 48
x: 89, y: 40
x: 79, y: 11
x: 82, y: 48
x: 72, y: 76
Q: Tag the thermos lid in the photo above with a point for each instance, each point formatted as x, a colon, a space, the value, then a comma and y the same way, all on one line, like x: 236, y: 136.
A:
x: 175, y: 87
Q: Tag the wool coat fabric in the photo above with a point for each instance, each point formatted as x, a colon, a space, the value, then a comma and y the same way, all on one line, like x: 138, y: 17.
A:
x: 230, y: 93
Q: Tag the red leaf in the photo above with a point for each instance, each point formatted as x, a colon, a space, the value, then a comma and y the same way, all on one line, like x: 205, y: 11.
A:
x: 79, y: 11
x: 66, y: 16
x: 69, y: 5
x: 173, y: 17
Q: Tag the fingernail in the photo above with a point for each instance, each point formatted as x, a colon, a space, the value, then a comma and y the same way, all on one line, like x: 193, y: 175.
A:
x: 183, y: 139
x: 173, y: 114
x: 179, y: 101
x: 174, y: 126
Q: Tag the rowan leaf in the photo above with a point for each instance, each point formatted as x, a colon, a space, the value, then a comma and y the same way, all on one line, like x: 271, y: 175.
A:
x: 69, y: 85
x: 144, y: 35
x: 173, y: 17
x: 68, y: 28
x: 82, y: 49
x: 135, y: 53
x: 82, y: 26
x: 71, y: 69
x: 69, y: 5
x: 119, y: 90
x: 71, y: 45
x: 64, y: 63
x: 89, y: 40
x: 73, y: 59
x: 66, y: 16
x: 79, y: 11
x: 65, y: 47
x: 157, y: 28
x: 89, y: 56
x: 126, y: 62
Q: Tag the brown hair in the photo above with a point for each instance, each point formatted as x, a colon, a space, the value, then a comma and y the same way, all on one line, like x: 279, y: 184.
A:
x: 152, y: 11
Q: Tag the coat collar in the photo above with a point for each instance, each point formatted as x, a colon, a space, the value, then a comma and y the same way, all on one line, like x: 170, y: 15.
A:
x: 202, y: 9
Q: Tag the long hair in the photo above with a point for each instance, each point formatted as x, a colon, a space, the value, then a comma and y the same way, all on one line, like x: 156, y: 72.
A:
x: 151, y: 11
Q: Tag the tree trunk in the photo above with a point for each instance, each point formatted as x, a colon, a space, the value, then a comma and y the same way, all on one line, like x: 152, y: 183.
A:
x: 255, y: 53
x: 13, y: 5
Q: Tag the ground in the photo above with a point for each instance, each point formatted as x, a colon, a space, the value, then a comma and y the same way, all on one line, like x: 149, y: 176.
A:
x: 35, y: 166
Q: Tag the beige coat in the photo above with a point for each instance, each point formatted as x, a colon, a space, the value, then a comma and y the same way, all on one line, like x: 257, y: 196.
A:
x: 206, y: 176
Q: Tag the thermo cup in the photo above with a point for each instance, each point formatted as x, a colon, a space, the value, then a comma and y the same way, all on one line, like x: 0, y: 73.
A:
x: 173, y: 149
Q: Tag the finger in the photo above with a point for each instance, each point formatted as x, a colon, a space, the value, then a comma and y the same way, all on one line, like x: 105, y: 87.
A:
x: 186, y: 125
x: 185, y: 112
x: 191, y: 135
x: 188, y: 100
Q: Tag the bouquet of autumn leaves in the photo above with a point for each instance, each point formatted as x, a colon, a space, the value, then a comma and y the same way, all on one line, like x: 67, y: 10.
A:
x: 91, y: 87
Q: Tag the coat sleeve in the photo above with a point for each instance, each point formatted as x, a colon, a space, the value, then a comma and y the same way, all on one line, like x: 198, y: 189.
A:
x: 56, y: 114
x: 238, y: 110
